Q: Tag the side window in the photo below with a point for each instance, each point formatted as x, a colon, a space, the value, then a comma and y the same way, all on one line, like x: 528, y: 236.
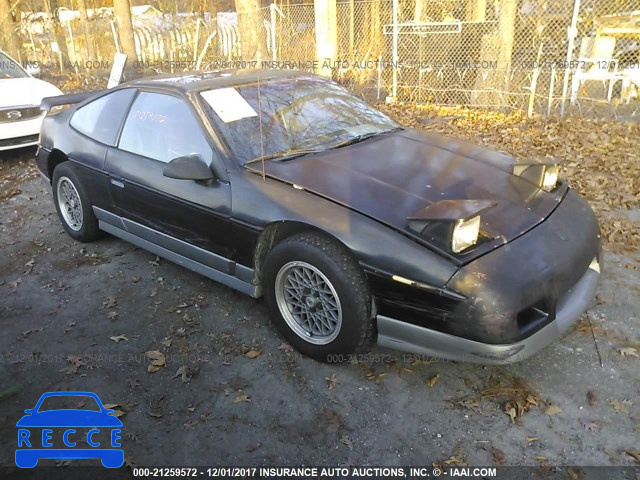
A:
x: 163, y: 127
x: 101, y: 119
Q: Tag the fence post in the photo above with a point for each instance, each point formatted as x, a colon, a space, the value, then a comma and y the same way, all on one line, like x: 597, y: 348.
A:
x: 272, y: 12
x: 552, y: 82
x: 395, y: 51
x: 572, y: 33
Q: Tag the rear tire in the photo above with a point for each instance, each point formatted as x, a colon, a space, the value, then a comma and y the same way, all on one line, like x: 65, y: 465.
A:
x: 73, y: 204
x: 318, y: 297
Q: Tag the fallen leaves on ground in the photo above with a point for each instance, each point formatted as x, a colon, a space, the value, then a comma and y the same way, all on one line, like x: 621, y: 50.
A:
x: 599, y: 157
x: 155, y: 412
x: 285, y: 347
x: 331, y: 381
x: 552, y: 410
x: 110, y: 302
x: 184, y: 373
x: 433, y: 380
x: 10, y: 193
x: 421, y: 361
x: 497, y: 455
x: 253, y: 354
x: 119, y: 338
x: 158, y: 360
x: 242, y: 398
x: 635, y: 454
x: 118, y: 410
x: 346, y: 440
x: 620, y: 406
x: 29, y: 266
x: 592, y: 398
x: 512, y: 394
x: 455, y: 461
x: 628, y: 352
x: 370, y: 375
x: 75, y: 362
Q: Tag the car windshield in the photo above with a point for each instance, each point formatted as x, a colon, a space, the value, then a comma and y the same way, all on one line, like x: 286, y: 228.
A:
x: 290, y: 117
x: 10, y: 69
x: 69, y: 402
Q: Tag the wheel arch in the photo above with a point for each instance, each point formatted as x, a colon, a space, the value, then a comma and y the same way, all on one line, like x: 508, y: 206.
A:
x: 276, y: 232
x: 56, y: 157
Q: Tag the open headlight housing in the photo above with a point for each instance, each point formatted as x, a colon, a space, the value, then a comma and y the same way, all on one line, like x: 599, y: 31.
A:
x: 550, y: 179
x: 452, y: 225
x: 543, y: 175
x: 465, y: 234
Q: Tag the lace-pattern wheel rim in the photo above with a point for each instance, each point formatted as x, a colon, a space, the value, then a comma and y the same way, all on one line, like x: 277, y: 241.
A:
x: 308, y: 302
x: 69, y: 203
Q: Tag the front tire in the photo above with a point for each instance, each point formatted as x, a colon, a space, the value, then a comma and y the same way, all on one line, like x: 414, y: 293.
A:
x: 73, y: 205
x: 318, y: 297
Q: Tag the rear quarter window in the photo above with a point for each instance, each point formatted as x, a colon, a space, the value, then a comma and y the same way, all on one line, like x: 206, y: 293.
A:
x: 101, y: 119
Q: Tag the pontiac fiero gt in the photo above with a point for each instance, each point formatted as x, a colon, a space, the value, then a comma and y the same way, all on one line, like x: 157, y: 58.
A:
x: 285, y: 185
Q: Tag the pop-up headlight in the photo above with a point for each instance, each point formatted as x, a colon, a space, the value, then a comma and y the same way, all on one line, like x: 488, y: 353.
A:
x: 543, y: 175
x: 465, y: 234
x: 453, y: 225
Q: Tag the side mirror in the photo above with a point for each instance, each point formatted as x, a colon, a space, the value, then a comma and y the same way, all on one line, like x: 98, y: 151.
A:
x: 189, y: 167
x: 33, y: 70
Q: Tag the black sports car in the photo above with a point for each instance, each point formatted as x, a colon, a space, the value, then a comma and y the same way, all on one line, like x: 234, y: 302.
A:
x: 284, y: 185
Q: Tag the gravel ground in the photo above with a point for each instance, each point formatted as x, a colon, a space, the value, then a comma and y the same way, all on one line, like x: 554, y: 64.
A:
x: 227, y: 390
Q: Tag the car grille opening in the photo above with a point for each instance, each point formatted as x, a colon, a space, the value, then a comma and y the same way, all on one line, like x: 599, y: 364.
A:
x: 532, y: 318
x: 15, y: 142
x: 10, y: 115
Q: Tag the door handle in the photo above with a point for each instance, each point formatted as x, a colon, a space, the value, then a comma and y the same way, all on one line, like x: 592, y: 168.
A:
x: 117, y: 181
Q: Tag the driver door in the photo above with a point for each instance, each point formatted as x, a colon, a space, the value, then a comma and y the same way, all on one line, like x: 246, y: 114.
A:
x: 159, y: 128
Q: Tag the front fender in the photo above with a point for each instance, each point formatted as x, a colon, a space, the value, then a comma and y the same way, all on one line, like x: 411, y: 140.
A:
x: 259, y: 202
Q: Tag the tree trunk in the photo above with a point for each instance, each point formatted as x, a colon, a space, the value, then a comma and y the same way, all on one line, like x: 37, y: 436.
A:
x: 492, y: 89
x: 418, y: 10
x: 477, y: 11
x: 58, y: 33
x: 8, y: 30
x: 376, y: 30
x: 122, y: 9
x: 88, y: 39
x: 252, y: 32
x: 326, y: 35
x: 212, y: 9
x: 506, y: 32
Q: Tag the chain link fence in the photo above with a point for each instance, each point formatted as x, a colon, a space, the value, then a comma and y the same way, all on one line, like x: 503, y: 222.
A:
x: 540, y: 56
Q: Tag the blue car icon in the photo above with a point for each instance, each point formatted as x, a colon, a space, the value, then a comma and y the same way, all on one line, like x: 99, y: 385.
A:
x: 62, y: 433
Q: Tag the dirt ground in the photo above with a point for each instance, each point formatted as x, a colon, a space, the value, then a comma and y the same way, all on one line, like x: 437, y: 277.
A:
x: 227, y: 391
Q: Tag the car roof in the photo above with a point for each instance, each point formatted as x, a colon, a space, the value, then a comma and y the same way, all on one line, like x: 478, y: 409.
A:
x: 68, y: 393
x: 198, y: 81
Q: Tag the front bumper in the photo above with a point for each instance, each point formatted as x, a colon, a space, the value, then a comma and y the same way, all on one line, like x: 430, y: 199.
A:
x: 418, y: 340
x: 20, y: 134
x: 515, y: 299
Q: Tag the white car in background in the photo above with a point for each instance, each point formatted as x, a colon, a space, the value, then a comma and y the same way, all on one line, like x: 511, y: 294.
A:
x: 20, y: 96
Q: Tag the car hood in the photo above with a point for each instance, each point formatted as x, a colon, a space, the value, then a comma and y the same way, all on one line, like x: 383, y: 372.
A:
x: 393, y: 176
x: 69, y: 418
x: 17, y: 92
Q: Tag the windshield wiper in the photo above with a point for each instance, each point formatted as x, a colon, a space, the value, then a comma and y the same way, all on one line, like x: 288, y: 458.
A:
x: 286, y: 155
x: 362, y: 138
x: 298, y: 152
